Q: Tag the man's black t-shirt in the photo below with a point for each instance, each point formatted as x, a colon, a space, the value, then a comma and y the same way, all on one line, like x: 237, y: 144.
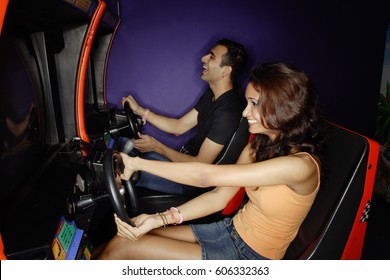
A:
x: 217, y: 120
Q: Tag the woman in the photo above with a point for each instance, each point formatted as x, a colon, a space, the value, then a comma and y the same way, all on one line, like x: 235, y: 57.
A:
x: 280, y: 170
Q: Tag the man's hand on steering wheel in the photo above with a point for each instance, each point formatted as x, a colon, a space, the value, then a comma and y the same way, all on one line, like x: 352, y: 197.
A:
x: 134, y: 120
x: 137, y: 109
x: 146, y: 143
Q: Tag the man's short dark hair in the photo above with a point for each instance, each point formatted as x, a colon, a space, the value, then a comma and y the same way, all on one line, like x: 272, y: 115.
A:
x: 236, y: 56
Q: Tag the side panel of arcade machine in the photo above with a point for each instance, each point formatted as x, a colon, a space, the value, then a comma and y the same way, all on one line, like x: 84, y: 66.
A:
x: 3, y: 8
x: 40, y: 47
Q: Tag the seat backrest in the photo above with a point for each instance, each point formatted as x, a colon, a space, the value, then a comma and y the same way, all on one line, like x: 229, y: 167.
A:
x: 335, y: 226
x: 2, y: 255
x: 236, y: 144
x: 3, y: 8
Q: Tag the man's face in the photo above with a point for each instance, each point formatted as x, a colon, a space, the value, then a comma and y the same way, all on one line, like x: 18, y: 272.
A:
x: 212, y: 70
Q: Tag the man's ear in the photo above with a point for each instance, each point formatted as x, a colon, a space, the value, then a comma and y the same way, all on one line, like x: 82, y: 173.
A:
x: 227, y: 70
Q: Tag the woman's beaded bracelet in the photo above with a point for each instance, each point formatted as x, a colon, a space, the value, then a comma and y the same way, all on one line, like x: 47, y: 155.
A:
x: 180, y: 214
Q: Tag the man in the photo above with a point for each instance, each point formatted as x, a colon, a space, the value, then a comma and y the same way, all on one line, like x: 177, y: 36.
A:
x: 216, y: 117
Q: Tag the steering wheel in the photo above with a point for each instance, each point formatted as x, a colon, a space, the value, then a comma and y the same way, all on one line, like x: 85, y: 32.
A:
x: 121, y: 192
x: 134, y: 121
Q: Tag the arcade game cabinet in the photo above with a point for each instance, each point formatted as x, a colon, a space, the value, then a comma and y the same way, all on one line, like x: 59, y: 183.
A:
x: 53, y: 54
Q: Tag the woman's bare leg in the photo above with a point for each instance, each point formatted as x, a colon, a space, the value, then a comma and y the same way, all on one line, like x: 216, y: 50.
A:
x: 174, y: 243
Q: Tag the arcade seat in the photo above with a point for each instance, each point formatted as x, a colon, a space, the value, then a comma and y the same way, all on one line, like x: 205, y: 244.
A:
x: 2, y: 255
x: 336, y: 224
x: 3, y: 8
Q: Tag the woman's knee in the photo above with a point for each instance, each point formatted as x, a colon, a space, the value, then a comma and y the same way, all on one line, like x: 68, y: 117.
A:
x: 114, y: 249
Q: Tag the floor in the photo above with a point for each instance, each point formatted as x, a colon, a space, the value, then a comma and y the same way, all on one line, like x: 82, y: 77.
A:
x: 377, y: 243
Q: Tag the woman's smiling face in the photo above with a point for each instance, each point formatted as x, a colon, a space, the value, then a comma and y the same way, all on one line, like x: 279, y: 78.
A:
x: 252, y: 113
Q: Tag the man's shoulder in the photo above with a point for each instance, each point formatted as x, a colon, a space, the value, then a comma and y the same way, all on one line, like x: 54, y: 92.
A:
x: 232, y: 99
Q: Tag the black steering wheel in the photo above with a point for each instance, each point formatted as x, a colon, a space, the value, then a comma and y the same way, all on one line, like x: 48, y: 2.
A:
x: 135, y: 121
x: 121, y: 192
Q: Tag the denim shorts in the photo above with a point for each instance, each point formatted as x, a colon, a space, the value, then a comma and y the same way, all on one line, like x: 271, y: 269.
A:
x: 221, y: 241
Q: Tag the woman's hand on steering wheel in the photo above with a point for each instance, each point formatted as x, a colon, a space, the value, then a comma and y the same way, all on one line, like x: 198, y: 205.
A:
x: 129, y: 167
x: 144, y: 223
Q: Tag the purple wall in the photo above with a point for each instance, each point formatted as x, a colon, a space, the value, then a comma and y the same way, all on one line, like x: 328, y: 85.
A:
x: 157, y: 49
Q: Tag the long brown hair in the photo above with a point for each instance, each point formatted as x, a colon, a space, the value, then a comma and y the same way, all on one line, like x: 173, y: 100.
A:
x: 288, y: 103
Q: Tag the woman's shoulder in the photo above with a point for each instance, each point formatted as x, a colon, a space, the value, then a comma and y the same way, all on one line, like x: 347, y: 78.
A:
x: 307, y: 157
x: 306, y: 170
